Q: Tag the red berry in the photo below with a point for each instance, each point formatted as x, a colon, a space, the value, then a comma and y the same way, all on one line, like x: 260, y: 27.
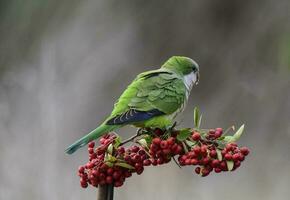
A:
x: 228, y: 156
x: 171, y: 141
x: 158, y: 131
x: 108, y: 141
x: 245, y: 151
x: 237, y: 164
x: 241, y: 157
x: 187, y: 162
x: 183, y: 157
x: 139, y: 170
x: 217, y: 170
x: 192, y: 154
x: 236, y: 157
x: 223, y: 166
x: 223, y: 152
x: 146, y: 162
x: 205, y: 172
x: 91, y: 150
x: 203, y: 150
x: 163, y: 144
x: 109, y: 179
x: 215, y: 163
x: 95, y: 173
x: 84, y: 184
x: 205, y: 161
x: 143, y: 157
x: 196, y: 150
x: 197, y: 170
x: 110, y: 171
x: 127, y: 158
x: 228, y: 147
x: 135, y: 149
x: 213, y: 153
x: 179, y: 150
x: 217, y: 134
x: 81, y: 169
x: 160, y: 161
x: 116, y: 175
x: 141, y: 152
x: 154, y: 147
x: 166, y: 151
x: 159, y: 153
x: 138, y: 165
x: 127, y: 174
x: 91, y: 144
x: 219, y: 129
x: 156, y: 140
x: 89, y: 165
x: 102, y: 140
x: 118, y: 184
x: 193, y: 161
x: 121, y: 150
x: 195, y: 136
x: 154, y: 162
x: 101, y: 176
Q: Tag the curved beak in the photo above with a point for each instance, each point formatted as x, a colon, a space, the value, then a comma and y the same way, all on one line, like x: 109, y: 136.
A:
x: 197, y: 78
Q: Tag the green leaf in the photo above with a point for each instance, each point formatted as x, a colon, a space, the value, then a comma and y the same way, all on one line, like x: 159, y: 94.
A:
x: 228, y: 139
x: 239, y: 132
x: 236, y: 136
x: 190, y: 143
x: 117, y: 142
x: 183, y: 134
x: 111, y: 158
x: 196, y: 117
x: 109, y: 164
x: 124, y: 165
x: 230, y: 165
x: 143, y: 142
x: 199, y: 121
x: 148, y: 139
x: 110, y: 149
x: 184, y: 147
x: 219, y: 155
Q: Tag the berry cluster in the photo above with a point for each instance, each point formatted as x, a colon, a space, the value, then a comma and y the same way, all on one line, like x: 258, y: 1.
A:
x: 207, y: 150
x: 207, y: 155
x: 111, y: 164
x: 162, y: 150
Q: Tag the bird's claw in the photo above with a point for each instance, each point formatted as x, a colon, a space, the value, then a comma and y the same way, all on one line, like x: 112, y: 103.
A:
x: 173, y: 126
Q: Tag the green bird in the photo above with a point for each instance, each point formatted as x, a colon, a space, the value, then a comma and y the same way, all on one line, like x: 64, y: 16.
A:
x: 152, y: 100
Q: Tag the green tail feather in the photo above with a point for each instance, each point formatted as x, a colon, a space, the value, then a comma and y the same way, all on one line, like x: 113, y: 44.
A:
x: 95, y: 134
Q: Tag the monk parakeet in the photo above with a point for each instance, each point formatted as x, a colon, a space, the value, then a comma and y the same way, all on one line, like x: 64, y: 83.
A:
x: 152, y: 100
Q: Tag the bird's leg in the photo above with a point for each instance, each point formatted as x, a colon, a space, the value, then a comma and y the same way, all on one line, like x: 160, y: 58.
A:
x: 173, y: 126
x: 139, y: 131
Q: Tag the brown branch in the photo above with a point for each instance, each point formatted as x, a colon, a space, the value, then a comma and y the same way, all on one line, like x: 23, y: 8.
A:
x: 106, y: 192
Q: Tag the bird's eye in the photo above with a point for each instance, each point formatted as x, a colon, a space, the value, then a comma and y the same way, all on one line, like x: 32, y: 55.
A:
x: 194, y: 69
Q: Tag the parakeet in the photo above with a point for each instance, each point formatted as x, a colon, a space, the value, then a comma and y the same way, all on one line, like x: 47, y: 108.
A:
x: 152, y: 100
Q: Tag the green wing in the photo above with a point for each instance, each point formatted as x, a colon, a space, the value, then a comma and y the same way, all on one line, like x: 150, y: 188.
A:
x: 157, y: 92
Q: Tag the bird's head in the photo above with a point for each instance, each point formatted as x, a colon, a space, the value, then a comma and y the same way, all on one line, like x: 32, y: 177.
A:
x: 183, y: 66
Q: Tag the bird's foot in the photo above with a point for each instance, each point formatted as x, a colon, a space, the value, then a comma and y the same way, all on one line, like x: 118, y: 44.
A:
x: 172, y: 127
x: 139, y: 131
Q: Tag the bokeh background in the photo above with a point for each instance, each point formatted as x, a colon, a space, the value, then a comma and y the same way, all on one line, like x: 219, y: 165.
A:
x: 64, y: 63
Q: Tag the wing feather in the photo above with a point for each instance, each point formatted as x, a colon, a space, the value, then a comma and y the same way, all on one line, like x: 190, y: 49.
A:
x: 158, y: 90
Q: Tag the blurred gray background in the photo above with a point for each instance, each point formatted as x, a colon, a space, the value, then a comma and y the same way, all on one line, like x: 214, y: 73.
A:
x: 64, y: 63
